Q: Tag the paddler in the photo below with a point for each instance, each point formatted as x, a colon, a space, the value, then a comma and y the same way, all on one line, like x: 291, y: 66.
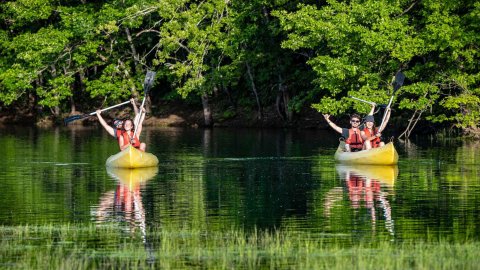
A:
x: 352, y: 135
x: 129, y: 137
x: 117, y: 128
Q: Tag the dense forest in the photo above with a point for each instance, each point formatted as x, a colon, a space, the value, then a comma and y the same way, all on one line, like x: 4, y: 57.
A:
x: 240, y: 59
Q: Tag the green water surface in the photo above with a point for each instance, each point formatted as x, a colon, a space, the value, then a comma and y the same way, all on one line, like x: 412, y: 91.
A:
x: 222, y: 179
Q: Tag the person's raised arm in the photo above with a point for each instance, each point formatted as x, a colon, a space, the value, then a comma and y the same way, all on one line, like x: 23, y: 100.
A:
x: 106, y: 126
x: 134, y: 105
x: 140, y: 122
x: 135, y: 109
x: 331, y: 124
x: 384, y: 124
x: 372, y: 110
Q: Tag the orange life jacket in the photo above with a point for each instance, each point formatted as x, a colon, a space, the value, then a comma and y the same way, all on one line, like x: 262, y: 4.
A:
x: 375, y: 142
x: 126, y: 140
x: 354, y: 139
x: 118, y: 132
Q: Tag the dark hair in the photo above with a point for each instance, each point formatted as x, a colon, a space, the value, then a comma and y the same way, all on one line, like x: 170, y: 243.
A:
x: 128, y: 119
x: 355, y: 116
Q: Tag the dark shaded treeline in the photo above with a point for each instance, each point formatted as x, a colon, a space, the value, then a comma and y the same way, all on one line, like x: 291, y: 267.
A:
x: 253, y: 63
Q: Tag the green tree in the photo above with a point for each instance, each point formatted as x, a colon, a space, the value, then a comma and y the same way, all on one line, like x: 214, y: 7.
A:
x: 359, y: 45
x: 189, y: 34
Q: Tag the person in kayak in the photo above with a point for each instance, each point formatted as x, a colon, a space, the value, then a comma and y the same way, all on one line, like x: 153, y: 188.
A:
x: 117, y: 128
x: 353, y: 137
x: 371, y: 135
x: 129, y: 137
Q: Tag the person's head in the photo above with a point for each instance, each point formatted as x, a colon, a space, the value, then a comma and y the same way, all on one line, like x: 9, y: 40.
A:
x: 118, y: 123
x: 369, y: 121
x: 355, y: 120
x: 128, y: 125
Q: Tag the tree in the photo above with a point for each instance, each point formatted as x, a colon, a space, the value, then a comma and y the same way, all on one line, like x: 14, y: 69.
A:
x: 189, y: 34
x: 359, y: 45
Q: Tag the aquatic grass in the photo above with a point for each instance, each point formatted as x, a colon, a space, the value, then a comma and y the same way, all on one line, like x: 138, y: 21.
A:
x: 105, y: 247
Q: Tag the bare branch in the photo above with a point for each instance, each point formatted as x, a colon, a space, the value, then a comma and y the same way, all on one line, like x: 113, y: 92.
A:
x: 408, y: 9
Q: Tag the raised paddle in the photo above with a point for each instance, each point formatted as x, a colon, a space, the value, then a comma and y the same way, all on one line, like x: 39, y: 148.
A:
x: 397, y: 83
x: 82, y: 116
x: 369, y: 102
x: 365, y: 101
x: 147, y: 84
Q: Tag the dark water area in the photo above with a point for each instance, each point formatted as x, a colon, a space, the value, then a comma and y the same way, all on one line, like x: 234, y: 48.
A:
x: 241, y: 178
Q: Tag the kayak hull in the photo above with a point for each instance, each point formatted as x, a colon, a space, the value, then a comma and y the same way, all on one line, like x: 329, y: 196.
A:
x: 386, y: 155
x: 131, y: 157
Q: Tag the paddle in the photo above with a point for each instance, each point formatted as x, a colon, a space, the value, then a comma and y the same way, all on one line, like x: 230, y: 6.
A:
x: 365, y: 101
x: 82, y: 116
x: 397, y: 83
x: 147, y: 84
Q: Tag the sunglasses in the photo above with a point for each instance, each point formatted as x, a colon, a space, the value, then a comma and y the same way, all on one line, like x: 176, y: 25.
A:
x: 355, y: 121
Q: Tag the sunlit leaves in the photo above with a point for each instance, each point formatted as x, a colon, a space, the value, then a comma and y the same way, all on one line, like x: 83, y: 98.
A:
x: 36, y: 49
x: 113, y: 84
x: 55, y: 91
x: 14, y: 81
x: 189, y: 38
x: 419, y: 96
x: 23, y: 11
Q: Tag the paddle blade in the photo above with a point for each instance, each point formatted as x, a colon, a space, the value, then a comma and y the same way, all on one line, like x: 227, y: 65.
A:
x: 74, y: 117
x: 399, y: 78
x: 149, y: 78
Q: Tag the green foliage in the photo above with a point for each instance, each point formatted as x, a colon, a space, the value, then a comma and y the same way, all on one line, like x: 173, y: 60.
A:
x: 21, y: 12
x: 359, y: 45
x: 55, y: 91
x: 14, y: 81
x: 111, y: 84
x: 319, y: 53
x: 189, y: 40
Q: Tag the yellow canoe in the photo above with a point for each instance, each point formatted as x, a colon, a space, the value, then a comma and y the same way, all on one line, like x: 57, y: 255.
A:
x: 132, y: 177
x: 132, y: 158
x: 385, y: 174
x: 386, y: 155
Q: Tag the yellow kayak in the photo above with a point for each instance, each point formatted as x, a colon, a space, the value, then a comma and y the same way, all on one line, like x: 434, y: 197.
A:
x: 386, y: 155
x: 132, y: 158
x: 132, y: 177
x: 385, y: 174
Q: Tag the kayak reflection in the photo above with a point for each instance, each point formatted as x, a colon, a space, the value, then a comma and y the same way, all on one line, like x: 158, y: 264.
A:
x: 368, y: 187
x: 123, y: 206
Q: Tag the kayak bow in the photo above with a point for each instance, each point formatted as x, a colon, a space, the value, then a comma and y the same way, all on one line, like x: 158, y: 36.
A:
x: 132, y: 158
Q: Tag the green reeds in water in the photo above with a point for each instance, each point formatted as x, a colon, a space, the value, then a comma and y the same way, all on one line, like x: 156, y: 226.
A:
x: 110, y: 247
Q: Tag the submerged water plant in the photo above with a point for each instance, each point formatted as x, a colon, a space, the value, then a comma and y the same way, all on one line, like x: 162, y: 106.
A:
x: 90, y: 246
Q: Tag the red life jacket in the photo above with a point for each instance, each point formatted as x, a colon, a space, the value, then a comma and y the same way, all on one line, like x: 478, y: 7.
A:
x: 375, y: 142
x: 354, y: 139
x: 126, y: 140
x: 118, y: 132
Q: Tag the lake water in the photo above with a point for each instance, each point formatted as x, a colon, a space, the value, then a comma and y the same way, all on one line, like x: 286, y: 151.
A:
x: 240, y: 178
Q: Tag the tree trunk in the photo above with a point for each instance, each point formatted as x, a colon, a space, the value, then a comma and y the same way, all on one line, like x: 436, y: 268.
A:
x: 136, y: 58
x: 229, y: 95
x: 207, y: 112
x: 283, y: 97
x: 254, y: 89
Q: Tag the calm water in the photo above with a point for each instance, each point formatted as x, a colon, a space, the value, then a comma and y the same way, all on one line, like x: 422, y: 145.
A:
x: 221, y: 179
